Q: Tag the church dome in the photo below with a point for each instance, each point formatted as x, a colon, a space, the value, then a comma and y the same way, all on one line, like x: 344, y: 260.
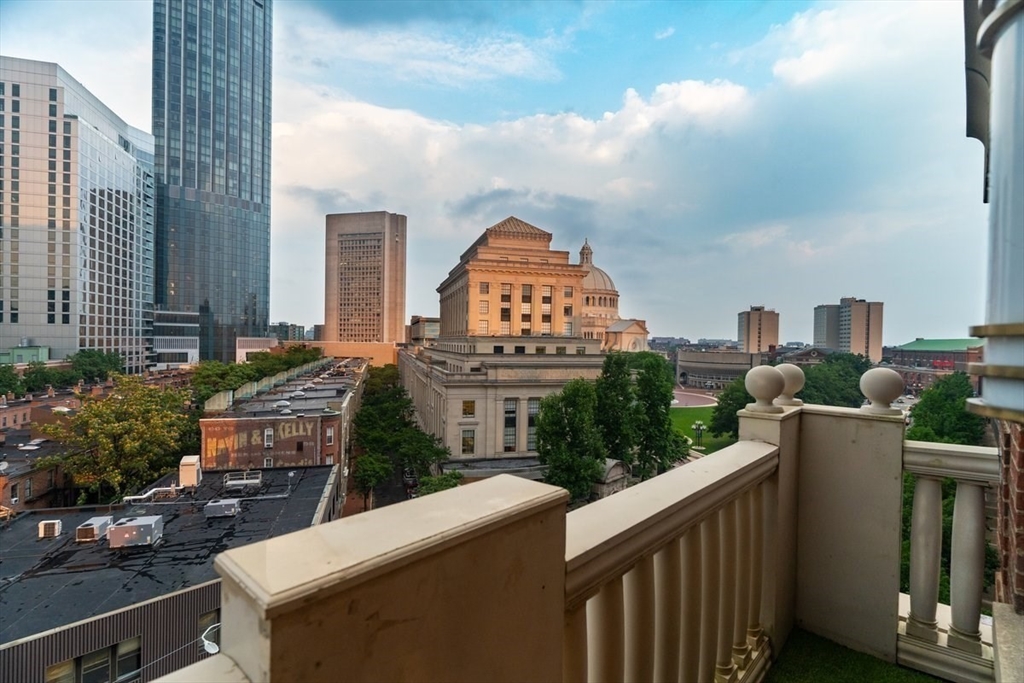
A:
x: 596, y: 279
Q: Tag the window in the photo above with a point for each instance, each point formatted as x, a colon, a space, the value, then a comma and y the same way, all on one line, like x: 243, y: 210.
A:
x: 541, y: 350
x: 520, y: 349
x: 567, y: 292
x: 567, y: 329
x: 567, y: 311
x: 96, y: 667
x: 330, y: 436
x: 560, y: 350
x: 485, y: 288
x: 532, y: 408
x: 482, y: 326
x: 506, y: 327
x: 469, y: 409
x: 61, y: 672
x: 581, y: 350
x: 268, y: 438
x: 28, y: 489
x: 16, y: 105
x: 499, y: 349
x: 209, y: 627
x: 14, y: 487
x: 268, y: 462
x: 15, y: 90
x: 129, y: 657
x: 300, y: 446
x: 468, y: 441
x: 506, y: 292
x: 510, y: 424
x: 53, y: 94
x: 485, y: 307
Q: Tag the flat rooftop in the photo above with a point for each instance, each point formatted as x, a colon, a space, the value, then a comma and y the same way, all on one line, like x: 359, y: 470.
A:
x: 20, y: 451
x: 307, y: 394
x: 48, y: 583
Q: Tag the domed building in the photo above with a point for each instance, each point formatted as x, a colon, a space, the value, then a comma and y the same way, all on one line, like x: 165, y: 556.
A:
x: 600, y: 298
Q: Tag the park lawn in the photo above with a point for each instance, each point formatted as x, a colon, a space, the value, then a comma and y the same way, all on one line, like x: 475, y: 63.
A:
x: 683, y: 419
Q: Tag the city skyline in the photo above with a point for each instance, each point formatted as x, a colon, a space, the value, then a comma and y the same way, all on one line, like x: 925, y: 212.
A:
x: 737, y: 161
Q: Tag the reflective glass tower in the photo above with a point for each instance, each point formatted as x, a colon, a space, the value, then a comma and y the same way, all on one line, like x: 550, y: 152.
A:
x: 211, y: 123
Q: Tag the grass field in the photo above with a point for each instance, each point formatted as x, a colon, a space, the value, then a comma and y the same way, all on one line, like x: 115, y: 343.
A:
x: 807, y: 658
x: 683, y: 419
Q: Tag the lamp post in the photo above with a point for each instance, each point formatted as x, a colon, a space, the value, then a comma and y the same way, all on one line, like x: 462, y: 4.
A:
x: 698, y: 430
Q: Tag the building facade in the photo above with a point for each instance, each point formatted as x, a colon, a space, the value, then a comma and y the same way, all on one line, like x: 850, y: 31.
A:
x: 826, y: 326
x: 286, y: 332
x: 714, y: 369
x: 364, y: 297
x: 758, y: 330
x: 76, y: 249
x: 212, y: 64
x: 423, y: 330
x: 175, y: 338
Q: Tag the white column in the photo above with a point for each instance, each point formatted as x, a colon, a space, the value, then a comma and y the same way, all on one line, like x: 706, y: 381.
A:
x: 967, y: 567
x: 925, y: 553
x: 757, y: 521
x: 725, y: 670
x: 641, y: 631
x: 668, y: 575
x: 740, y: 647
x: 710, y: 582
x: 574, y: 647
x: 605, y: 625
x: 689, y: 655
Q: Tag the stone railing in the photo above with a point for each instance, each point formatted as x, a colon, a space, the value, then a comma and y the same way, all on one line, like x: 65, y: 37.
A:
x: 941, y: 640
x: 664, y: 580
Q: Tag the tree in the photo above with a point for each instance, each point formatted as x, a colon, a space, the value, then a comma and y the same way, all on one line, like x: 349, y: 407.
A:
x: 441, y: 482
x: 617, y: 414
x: 94, y: 365
x: 10, y: 382
x: 941, y: 414
x: 121, y: 442
x: 656, y: 447
x: 732, y: 400
x: 36, y: 377
x: 836, y: 381
x: 371, y: 470
x: 568, y: 440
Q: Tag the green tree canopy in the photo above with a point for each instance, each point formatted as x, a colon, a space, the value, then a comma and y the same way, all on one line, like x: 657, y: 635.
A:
x: 441, y: 482
x: 657, y: 444
x: 568, y: 440
x: 618, y: 414
x: 94, y: 365
x: 121, y: 442
x: 732, y: 400
x: 941, y: 414
x: 371, y: 470
x: 836, y: 381
x: 10, y: 382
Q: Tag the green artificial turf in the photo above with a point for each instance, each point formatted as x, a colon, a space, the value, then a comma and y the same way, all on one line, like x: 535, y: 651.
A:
x: 807, y: 658
x: 683, y: 419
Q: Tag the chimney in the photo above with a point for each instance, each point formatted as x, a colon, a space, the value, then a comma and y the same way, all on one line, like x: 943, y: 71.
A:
x: 50, y: 393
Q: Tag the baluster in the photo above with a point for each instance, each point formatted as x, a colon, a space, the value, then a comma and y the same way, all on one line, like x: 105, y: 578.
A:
x: 574, y: 647
x: 757, y: 517
x: 689, y: 655
x: 967, y: 567
x: 725, y: 670
x: 740, y: 648
x: 925, y: 554
x: 668, y: 575
x: 605, y: 622
x: 710, y: 580
x: 640, y: 625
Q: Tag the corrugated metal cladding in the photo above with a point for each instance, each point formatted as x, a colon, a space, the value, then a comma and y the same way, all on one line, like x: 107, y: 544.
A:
x: 167, y: 626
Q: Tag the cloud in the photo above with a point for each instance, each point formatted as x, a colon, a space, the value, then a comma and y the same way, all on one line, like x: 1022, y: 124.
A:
x: 664, y: 33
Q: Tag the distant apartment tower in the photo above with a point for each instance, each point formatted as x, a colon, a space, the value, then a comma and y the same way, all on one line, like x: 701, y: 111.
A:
x: 365, y: 284
x: 76, y: 219
x: 860, y: 327
x: 288, y: 332
x: 826, y: 326
x: 758, y: 329
x: 211, y: 97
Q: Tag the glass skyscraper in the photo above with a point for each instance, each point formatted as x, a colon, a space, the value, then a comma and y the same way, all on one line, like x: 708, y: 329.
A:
x: 211, y: 121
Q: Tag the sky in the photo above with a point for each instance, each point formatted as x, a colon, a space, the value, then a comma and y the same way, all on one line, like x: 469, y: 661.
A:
x: 716, y: 155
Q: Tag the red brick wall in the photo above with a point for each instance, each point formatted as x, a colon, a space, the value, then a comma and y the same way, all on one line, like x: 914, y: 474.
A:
x: 237, y: 443
x: 1010, y: 525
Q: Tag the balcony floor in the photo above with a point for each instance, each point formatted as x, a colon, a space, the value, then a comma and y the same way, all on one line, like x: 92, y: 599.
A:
x: 808, y: 658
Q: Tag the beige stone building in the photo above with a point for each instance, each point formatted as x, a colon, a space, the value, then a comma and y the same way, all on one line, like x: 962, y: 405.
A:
x: 758, y: 330
x: 518, y: 321
x: 860, y: 327
x: 364, y: 296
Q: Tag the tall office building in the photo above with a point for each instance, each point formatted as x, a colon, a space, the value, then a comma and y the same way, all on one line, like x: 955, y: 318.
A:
x: 76, y: 219
x: 851, y: 326
x: 365, y: 283
x: 826, y: 326
x: 758, y: 329
x: 211, y: 120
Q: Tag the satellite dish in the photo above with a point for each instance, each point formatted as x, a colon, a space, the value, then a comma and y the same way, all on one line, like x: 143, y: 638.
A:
x: 3, y: 466
x: 211, y: 647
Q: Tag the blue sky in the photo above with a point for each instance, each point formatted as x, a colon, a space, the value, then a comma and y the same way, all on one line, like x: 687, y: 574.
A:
x: 716, y: 154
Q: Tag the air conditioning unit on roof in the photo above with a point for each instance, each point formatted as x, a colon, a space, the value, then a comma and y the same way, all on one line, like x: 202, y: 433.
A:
x: 93, y: 529
x: 50, y: 528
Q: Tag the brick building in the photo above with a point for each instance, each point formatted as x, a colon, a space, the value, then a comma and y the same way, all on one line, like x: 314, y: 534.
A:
x: 1010, y: 516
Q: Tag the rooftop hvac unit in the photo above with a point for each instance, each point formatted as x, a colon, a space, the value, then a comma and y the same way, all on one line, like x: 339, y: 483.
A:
x: 50, y: 528
x: 92, y: 529
x: 135, y: 531
x: 227, y: 507
x: 190, y: 471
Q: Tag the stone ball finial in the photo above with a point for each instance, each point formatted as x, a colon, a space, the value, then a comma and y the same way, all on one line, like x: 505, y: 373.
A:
x: 794, y: 377
x: 764, y: 383
x: 881, y: 386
